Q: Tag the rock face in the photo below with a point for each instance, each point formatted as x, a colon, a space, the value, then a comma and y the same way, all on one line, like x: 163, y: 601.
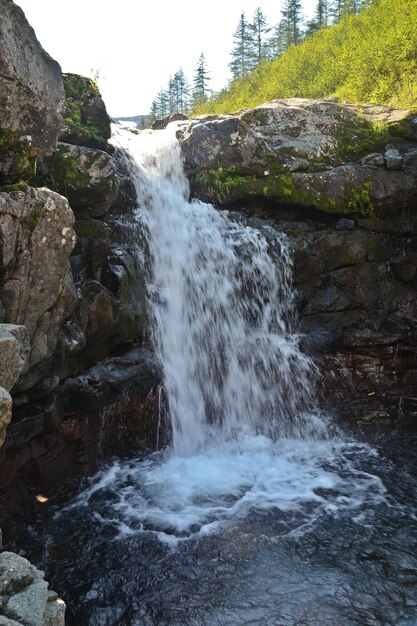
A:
x: 317, y: 154
x: 24, y: 596
x: 37, y: 290
x: 31, y: 94
x: 85, y: 176
x: 340, y: 180
x: 86, y: 120
x: 14, y: 352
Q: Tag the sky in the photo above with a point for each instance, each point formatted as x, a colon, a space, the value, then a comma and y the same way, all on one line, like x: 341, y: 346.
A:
x: 134, y: 46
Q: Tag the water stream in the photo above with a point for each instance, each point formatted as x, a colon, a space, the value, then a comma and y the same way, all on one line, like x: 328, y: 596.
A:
x: 259, y: 512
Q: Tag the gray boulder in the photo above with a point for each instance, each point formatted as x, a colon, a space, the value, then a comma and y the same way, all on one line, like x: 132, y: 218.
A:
x: 37, y: 290
x: 24, y: 596
x: 393, y: 158
x: 31, y: 89
x: 310, y: 153
x: 86, y: 120
x: 5, y: 413
x: 87, y: 177
x: 14, y: 352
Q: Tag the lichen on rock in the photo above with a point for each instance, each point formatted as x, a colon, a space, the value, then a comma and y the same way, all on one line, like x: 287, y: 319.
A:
x: 308, y: 153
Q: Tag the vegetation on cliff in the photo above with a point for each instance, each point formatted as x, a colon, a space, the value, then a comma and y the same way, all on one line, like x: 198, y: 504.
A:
x: 369, y: 57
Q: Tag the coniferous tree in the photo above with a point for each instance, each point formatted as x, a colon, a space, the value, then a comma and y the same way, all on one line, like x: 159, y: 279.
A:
x: 340, y: 8
x: 320, y: 19
x: 201, y: 80
x: 240, y: 64
x: 322, y: 13
x: 258, y: 42
x: 163, y: 103
x: 180, y: 91
x: 292, y: 18
x: 153, y: 113
x: 277, y: 44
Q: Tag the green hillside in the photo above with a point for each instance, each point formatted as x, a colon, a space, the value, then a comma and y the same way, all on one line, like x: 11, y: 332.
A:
x: 370, y: 57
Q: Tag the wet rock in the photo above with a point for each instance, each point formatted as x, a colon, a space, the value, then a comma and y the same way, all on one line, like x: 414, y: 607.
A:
x: 86, y: 120
x: 162, y: 123
x: 374, y: 160
x: 137, y: 371
x: 36, y: 233
x: 14, y: 351
x: 5, y: 413
x: 87, y: 177
x: 404, y: 269
x: 393, y: 158
x: 344, y: 224
x: 31, y: 89
x: 24, y: 595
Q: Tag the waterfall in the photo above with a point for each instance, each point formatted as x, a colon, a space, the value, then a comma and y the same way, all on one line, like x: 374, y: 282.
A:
x: 222, y: 310
x: 248, y: 436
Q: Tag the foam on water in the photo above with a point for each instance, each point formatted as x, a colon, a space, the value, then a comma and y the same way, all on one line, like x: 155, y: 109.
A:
x: 180, y: 497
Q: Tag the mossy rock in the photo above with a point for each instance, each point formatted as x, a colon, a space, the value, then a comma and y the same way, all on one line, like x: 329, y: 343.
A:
x: 86, y: 120
x: 17, y: 158
x: 92, y: 229
x: 349, y: 193
x: 85, y: 176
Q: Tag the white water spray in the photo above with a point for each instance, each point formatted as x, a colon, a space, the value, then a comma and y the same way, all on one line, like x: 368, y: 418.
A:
x: 222, y: 305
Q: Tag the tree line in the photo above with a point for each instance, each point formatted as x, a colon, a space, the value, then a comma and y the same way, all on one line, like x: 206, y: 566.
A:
x: 368, y: 57
x: 254, y: 43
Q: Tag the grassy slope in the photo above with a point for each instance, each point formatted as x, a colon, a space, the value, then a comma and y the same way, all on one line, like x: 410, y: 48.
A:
x: 371, y: 57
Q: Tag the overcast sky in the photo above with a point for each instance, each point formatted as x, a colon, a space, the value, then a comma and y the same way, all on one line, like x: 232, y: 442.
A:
x: 135, y: 46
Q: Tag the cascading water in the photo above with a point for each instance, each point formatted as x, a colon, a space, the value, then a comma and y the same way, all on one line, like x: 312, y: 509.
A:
x: 257, y: 514
x: 247, y: 433
x: 222, y: 307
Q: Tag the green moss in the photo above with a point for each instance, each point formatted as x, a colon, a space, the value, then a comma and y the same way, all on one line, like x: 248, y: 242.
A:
x: 357, y: 136
x: 359, y: 200
x: 227, y: 185
x: 15, y: 187
x: 91, y: 229
x: 18, y: 156
x: 79, y: 93
x: 64, y: 175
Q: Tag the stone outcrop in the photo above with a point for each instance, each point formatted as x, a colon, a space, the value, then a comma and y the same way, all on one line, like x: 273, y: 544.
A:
x: 340, y: 180
x: 87, y: 177
x: 86, y: 120
x: 31, y: 96
x: 25, y: 599
x: 14, y: 352
x: 316, y: 154
x: 36, y: 290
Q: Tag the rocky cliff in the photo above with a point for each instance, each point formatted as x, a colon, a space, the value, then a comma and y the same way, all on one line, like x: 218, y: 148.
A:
x: 77, y: 381
x: 341, y: 181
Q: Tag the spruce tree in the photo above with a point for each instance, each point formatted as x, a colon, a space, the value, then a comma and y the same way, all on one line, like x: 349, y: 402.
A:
x: 320, y: 19
x: 340, y: 8
x: 201, y: 80
x: 180, y: 92
x: 258, y: 42
x: 292, y: 18
x: 277, y: 44
x: 240, y: 64
x: 322, y: 13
